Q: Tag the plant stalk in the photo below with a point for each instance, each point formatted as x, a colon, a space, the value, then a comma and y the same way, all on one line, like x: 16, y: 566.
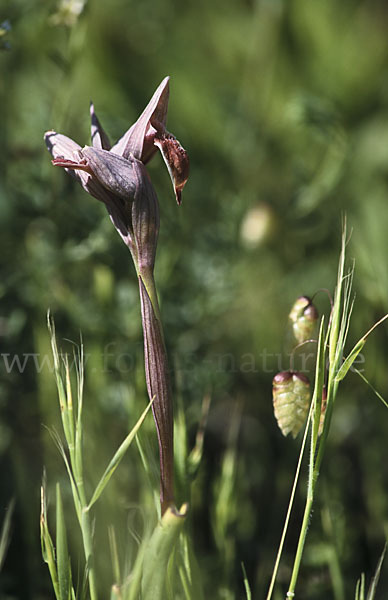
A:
x: 313, y: 478
x: 158, y: 382
x: 85, y: 524
x: 301, y: 542
x: 88, y: 549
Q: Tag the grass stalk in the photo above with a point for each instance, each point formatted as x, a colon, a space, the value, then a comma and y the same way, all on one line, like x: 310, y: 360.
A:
x: 331, y: 347
x: 87, y: 539
x: 288, y: 515
x: 301, y: 543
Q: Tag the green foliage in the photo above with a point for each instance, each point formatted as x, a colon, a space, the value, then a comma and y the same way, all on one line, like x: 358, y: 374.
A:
x: 62, y: 554
x: 5, y: 532
x: 360, y: 588
x: 157, y: 556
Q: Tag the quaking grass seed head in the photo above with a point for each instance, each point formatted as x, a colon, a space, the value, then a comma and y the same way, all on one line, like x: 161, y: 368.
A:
x: 303, y: 317
x: 291, y: 399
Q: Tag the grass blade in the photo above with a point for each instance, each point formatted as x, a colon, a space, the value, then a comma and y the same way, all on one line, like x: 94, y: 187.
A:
x: 289, y: 508
x: 48, y: 552
x: 114, y: 554
x: 246, y: 583
x: 360, y: 588
x: 114, y: 463
x: 376, y: 576
x: 349, y: 360
x: 63, y: 561
x: 5, y: 532
x: 372, y: 388
x: 188, y: 568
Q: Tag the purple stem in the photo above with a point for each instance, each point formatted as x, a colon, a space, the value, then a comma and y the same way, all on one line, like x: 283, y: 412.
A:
x: 158, y: 384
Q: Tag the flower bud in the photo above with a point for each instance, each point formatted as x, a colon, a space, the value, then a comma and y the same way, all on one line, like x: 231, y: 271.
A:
x: 303, y: 317
x: 291, y: 398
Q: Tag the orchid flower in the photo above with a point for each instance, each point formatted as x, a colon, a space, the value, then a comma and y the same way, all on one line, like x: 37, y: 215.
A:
x: 116, y: 174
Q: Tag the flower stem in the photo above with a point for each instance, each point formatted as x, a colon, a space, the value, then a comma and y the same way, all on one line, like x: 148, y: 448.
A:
x: 301, y: 542
x: 158, y: 383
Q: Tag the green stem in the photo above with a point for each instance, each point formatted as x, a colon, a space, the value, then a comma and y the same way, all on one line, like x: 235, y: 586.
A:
x: 301, y: 542
x: 88, y: 549
x: 86, y: 530
x: 313, y: 478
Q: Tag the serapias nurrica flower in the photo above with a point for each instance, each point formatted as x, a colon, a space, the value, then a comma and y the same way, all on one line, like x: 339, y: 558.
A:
x: 117, y: 176
x: 113, y: 174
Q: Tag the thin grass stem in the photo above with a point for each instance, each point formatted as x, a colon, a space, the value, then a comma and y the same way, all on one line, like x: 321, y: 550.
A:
x: 289, y: 509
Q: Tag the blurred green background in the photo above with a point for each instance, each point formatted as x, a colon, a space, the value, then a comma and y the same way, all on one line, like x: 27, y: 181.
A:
x: 283, y: 108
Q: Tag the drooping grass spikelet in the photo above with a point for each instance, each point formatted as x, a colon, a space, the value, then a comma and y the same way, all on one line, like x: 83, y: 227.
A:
x: 291, y: 398
x: 303, y: 317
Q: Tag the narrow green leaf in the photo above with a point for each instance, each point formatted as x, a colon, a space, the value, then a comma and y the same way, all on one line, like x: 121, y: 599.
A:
x: 195, y: 456
x: 336, y: 311
x: 78, y: 450
x: 48, y: 552
x: 246, y: 583
x: 69, y: 407
x: 372, y: 388
x: 64, y: 401
x: 318, y: 389
x: 349, y: 360
x: 5, y: 532
x: 158, y: 553
x: 360, y: 588
x: 148, y: 461
x: 114, y: 554
x: 74, y: 489
x: 114, y: 463
x: 376, y: 576
x: 189, y: 571
x: 63, y: 560
x: 289, y: 509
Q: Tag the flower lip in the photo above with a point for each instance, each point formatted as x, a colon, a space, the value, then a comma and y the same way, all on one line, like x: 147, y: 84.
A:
x: 67, y: 163
x: 176, y: 160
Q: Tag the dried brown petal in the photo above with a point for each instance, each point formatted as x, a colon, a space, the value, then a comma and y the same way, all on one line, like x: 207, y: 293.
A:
x: 177, y: 162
